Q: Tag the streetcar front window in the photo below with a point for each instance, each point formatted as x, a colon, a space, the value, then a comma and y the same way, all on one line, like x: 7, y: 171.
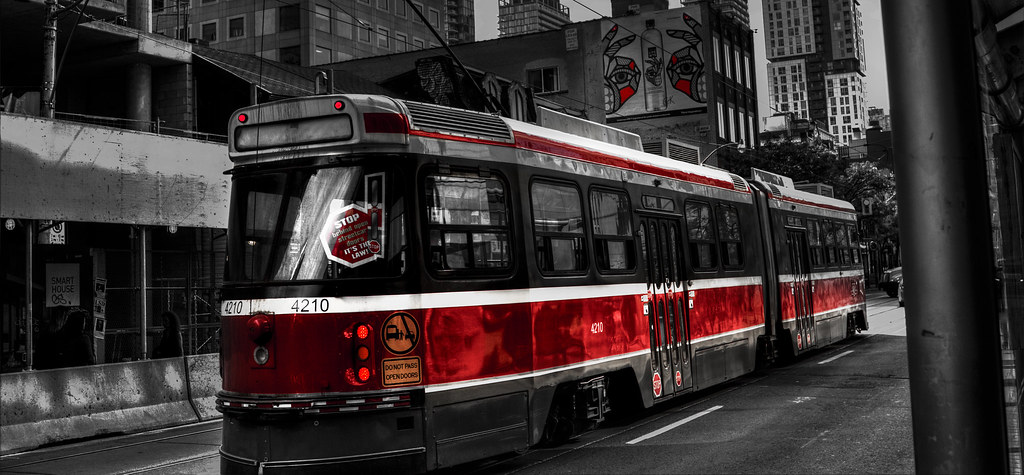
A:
x: 310, y: 224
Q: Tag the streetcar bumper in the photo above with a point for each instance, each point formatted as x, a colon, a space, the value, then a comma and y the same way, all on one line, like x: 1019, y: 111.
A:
x: 390, y: 441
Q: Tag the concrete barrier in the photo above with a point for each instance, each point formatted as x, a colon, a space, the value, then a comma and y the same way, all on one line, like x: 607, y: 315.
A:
x: 204, y: 382
x: 45, y: 407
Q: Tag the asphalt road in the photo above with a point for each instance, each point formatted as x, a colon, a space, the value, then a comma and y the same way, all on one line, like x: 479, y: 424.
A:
x: 844, y: 409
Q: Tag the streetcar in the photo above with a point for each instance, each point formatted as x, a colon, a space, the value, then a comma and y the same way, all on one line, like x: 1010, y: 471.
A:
x: 411, y: 287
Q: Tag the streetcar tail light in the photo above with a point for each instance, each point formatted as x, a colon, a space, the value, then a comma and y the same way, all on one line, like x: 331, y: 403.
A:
x: 261, y: 327
x: 361, y: 352
x: 363, y: 374
x: 243, y: 118
x: 338, y: 105
x: 385, y: 123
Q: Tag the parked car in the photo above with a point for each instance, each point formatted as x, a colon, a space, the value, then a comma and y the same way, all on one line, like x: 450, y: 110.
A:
x: 890, y: 281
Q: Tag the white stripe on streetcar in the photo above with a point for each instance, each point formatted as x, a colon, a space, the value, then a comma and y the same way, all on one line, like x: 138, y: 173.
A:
x: 673, y: 425
x: 836, y: 357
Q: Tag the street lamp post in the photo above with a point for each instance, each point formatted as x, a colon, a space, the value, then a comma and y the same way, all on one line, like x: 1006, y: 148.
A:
x: 706, y: 157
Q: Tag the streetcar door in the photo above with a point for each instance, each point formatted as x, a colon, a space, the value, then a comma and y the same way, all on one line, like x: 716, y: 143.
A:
x: 669, y: 351
x: 801, y: 288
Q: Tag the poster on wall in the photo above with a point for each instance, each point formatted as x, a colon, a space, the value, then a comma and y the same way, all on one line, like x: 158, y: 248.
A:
x: 654, y: 65
x: 63, y: 285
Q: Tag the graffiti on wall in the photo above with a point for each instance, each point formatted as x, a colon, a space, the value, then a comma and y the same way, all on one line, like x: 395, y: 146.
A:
x: 654, y: 66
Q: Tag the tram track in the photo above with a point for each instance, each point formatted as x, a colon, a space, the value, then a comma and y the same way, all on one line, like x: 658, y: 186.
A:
x: 63, y: 453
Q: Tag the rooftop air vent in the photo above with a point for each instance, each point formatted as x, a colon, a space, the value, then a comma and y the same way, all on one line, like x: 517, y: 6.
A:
x: 738, y: 182
x: 457, y: 122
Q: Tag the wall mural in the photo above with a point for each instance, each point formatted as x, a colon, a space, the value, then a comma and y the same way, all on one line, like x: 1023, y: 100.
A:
x: 654, y: 66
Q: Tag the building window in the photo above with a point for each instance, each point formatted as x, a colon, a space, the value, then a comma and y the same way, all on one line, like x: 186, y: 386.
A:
x: 323, y: 18
x: 416, y: 16
x: 236, y: 27
x: 417, y: 43
x: 321, y: 55
x: 383, y: 4
x: 558, y: 228
x: 290, y: 55
x: 383, y: 38
x: 344, y: 24
x: 543, y: 80
x: 435, y: 18
x: 364, y: 31
x: 401, y: 9
x: 208, y: 31
x: 288, y: 18
x: 401, y: 42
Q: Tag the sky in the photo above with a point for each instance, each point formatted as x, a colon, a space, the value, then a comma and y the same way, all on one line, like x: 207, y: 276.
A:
x: 876, y: 86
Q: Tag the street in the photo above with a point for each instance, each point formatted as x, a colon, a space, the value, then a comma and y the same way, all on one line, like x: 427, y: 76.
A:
x: 844, y: 409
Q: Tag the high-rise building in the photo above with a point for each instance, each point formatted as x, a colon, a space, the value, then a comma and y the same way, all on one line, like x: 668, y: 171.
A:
x: 816, y: 71
x: 460, y: 21
x: 308, y: 33
x: 518, y: 17
x: 735, y: 10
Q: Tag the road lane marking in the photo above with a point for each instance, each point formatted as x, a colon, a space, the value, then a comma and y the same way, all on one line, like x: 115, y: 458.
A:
x: 673, y: 425
x: 836, y: 357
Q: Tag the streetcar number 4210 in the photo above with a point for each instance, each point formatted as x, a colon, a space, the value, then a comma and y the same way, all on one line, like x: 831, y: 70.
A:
x: 311, y: 305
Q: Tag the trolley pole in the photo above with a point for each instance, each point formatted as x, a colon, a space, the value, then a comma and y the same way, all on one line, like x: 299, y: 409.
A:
x: 49, y: 59
x: 952, y: 324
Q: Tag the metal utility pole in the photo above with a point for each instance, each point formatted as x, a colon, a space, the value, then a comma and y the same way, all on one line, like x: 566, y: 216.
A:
x: 952, y: 322
x: 49, y: 59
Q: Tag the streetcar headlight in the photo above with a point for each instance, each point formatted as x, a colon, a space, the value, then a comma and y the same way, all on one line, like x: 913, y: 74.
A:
x: 261, y: 355
x: 260, y: 328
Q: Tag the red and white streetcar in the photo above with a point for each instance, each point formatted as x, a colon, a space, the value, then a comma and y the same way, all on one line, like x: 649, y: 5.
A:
x: 412, y: 286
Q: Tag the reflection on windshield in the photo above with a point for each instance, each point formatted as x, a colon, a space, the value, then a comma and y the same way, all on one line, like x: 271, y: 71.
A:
x: 305, y: 258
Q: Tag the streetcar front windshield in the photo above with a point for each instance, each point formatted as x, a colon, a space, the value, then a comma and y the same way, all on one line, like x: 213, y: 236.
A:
x: 316, y: 223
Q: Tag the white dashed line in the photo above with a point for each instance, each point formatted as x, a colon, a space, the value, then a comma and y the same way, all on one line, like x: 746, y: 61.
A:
x: 836, y: 357
x: 673, y: 425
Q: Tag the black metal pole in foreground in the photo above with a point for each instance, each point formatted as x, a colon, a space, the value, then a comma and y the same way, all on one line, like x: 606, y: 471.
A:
x: 952, y: 325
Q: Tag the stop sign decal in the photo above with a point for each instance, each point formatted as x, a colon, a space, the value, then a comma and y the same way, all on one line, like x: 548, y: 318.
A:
x: 657, y: 384
x: 352, y: 235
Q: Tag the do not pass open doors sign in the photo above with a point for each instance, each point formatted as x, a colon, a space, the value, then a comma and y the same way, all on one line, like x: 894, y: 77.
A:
x: 354, y: 233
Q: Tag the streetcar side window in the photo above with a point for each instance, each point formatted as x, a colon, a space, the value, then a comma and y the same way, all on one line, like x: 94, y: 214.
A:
x: 842, y: 243
x: 612, y: 224
x: 467, y: 218
x: 729, y: 237
x: 814, y: 240
x: 558, y: 227
x: 854, y: 243
x: 701, y: 233
x: 829, y: 237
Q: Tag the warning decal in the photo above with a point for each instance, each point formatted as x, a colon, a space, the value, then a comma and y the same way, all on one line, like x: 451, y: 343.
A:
x: 400, y: 371
x: 351, y: 236
x: 400, y: 333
